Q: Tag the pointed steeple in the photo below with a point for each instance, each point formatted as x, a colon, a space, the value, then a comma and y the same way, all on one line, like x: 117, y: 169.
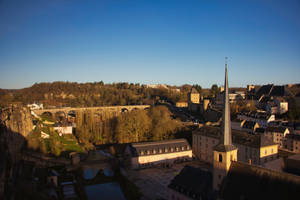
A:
x: 226, y: 125
x: 226, y: 138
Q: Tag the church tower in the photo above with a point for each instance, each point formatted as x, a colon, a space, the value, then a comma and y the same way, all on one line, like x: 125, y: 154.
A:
x: 225, y: 152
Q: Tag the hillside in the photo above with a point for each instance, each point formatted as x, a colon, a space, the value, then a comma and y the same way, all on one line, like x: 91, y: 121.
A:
x: 91, y: 94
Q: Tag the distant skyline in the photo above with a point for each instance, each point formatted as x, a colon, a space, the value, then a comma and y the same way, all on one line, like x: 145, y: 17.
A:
x: 149, y: 42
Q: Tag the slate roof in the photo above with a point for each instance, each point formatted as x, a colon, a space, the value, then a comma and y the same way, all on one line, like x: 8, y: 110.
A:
x: 224, y: 148
x: 159, y: 147
x: 249, y: 124
x: 260, y: 130
x: 264, y: 90
x: 257, y: 115
x: 246, y: 181
x: 276, y: 129
x: 278, y: 91
x: 194, y: 183
x: 265, y: 99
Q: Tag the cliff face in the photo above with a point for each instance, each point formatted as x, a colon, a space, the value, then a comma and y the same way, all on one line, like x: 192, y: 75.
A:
x: 17, y: 119
x: 15, y: 125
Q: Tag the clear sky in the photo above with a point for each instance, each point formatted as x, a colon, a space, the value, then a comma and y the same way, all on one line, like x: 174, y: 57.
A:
x: 158, y: 41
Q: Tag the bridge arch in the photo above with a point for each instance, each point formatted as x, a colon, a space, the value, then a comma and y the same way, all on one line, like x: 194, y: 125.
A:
x: 60, y: 115
x: 123, y: 110
x: 72, y: 113
x: 47, y: 115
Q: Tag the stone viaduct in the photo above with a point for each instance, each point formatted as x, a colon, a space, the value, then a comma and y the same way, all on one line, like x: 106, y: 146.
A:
x: 111, y: 109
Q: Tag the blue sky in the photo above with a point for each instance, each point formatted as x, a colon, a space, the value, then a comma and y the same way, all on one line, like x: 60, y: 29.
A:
x: 172, y: 42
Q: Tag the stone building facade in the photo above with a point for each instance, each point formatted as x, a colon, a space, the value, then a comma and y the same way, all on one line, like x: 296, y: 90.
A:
x: 251, y: 148
x: 292, y: 142
x: 277, y: 134
x: 146, y: 154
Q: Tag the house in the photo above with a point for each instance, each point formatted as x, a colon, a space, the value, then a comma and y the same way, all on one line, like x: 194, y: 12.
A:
x: 282, y: 104
x: 191, y: 183
x: 277, y: 134
x: 277, y: 106
x: 293, y: 143
x: 194, y: 100
x: 166, y: 152
x: 63, y: 130
x: 271, y: 107
x: 35, y: 106
x: 234, y: 96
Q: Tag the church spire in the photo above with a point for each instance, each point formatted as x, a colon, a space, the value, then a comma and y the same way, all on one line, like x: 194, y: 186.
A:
x: 226, y: 125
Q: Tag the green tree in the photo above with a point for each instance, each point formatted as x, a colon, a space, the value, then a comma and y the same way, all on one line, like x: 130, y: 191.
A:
x: 214, y: 89
x: 294, y: 111
x: 133, y: 126
x: 198, y: 88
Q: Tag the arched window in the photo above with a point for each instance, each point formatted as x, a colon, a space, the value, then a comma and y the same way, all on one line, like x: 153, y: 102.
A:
x: 220, y: 158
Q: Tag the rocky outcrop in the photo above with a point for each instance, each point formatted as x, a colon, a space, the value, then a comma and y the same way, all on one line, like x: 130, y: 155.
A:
x: 15, y: 125
x: 17, y: 119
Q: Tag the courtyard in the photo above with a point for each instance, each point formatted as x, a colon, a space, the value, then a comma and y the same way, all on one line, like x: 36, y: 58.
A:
x: 153, y: 182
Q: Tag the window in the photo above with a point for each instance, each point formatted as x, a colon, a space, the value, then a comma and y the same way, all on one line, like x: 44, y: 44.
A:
x: 177, y: 149
x: 172, y: 149
x: 160, y: 150
x: 142, y: 152
x: 187, y: 147
x: 182, y: 148
x: 166, y: 150
x: 148, y: 152
x: 154, y: 151
x: 220, y: 158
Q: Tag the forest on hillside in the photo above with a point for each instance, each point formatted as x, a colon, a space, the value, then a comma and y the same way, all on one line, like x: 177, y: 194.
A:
x: 153, y: 124
x: 75, y: 94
